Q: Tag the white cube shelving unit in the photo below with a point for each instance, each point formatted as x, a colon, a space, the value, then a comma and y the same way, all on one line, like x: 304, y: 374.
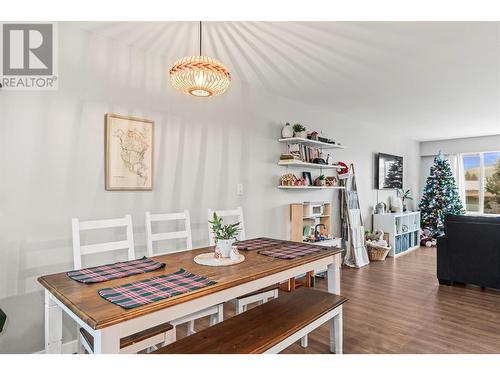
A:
x: 403, y: 229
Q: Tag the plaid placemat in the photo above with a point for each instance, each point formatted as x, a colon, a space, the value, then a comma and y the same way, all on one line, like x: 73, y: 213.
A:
x: 115, y: 270
x: 290, y: 250
x: 257, y: 243
x: 155, y: 289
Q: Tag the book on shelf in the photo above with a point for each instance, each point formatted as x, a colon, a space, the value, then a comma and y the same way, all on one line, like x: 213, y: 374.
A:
x: 304, y: 153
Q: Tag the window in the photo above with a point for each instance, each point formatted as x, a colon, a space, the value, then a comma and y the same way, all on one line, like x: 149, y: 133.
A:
x: 482, y: 182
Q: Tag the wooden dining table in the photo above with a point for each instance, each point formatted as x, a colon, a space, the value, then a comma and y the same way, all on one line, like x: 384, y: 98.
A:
x: 108, y: 323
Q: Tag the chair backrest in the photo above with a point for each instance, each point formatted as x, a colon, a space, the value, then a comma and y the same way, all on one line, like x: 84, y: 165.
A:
x: 152, y: 237
x: 237, y: 212
x: 80, y: 250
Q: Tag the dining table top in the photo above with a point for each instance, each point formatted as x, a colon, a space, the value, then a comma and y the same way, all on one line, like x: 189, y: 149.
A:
x: 84, y: 301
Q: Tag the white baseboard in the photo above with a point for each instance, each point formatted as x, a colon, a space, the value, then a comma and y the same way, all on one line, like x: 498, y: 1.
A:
x: 67, y: 348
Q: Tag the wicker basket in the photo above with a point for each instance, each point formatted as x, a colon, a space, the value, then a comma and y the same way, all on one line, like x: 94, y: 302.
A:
x: 377, y: 253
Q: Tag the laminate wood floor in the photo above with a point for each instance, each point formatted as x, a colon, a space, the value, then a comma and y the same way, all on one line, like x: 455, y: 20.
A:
x: 398, y: 306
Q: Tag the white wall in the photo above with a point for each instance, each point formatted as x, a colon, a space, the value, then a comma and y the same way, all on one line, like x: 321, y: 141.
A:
x: 52, y: 163
x: 461, y: 145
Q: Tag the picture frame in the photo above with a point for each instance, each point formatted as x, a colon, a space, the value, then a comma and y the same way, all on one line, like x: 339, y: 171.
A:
x: 389, y: 171
x: 308, y: 178
x: 129, y: 153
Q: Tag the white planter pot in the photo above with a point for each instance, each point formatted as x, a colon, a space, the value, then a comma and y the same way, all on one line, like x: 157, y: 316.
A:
x: 301, y: 134
x: 224, y: 247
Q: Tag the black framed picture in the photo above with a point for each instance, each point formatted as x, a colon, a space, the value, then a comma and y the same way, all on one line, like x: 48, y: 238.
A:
x: 390, y: 171
x: 307, y: 176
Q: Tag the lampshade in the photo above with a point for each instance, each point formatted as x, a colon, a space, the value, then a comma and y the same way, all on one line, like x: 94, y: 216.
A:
x: 200, y: 76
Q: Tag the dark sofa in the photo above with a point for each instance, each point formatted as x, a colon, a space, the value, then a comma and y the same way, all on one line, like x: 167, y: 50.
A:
x: 469, y: 252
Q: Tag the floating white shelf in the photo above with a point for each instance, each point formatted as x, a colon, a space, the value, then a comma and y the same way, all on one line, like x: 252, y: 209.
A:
x: 303, y: 164
x: 310, y: 187
x: 309, y: 142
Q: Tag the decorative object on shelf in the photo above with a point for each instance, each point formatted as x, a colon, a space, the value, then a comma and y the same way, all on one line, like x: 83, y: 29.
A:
x: 320, y: 180
x: 299, y: 131
x: 287, y: 131
x: 326, y: 140
x: 331, y: 181
x: 440, y: 197
x: 319, y: 159
x: 200, y: 75
x: 287, y: 157
x: 129, y: 153
x: 344, y: 172
x: 225, y: 235
x: 380, y: 208
x: 288, y: 179
x: 313, y: 136
x: 396, y: 204
x: 404, y: 228
x: 405, y: 196
x: 390, y: 171
x: 307, y: 177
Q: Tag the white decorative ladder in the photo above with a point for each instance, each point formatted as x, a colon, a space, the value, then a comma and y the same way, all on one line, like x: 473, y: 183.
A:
x: 352, y: 222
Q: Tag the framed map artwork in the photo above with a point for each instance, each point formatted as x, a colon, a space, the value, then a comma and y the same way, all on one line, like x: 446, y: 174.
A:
x: 129, y: 153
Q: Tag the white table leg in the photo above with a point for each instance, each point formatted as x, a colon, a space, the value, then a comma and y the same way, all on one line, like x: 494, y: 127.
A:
x: 53, y: 326
x: 107, y: 341
x: 304, y: 341
x: 336, y: 333
x: 333, y: 275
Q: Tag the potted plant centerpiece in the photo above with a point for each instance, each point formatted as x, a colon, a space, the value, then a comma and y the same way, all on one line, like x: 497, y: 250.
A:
x: 225, y: 235
x: 405, y: 196
x: 299, y: 131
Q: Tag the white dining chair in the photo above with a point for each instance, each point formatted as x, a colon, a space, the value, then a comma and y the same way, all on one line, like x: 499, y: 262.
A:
x: 154, y: 337
x: 260, y: 296
x: 215, y: 312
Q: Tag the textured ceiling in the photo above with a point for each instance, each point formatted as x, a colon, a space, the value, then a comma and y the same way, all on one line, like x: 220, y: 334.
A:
x: 436, y: 79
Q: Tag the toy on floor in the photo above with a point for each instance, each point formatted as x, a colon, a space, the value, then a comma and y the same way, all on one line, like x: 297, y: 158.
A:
x: 426, y: 239
x: 376, y: 238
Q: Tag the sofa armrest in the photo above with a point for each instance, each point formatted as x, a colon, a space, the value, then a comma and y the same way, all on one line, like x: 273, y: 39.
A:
x: 443, y: 260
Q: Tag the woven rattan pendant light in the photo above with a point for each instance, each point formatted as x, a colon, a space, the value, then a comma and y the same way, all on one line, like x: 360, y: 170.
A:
x: 200, y: 75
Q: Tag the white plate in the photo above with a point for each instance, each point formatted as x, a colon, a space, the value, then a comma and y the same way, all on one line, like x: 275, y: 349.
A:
x: 208, y: 259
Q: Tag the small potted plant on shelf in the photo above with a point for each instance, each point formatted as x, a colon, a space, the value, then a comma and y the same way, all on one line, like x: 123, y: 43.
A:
x: 299, y: 131
x: 320, y: 181
x: 405, y: 196
x: 225, y: 235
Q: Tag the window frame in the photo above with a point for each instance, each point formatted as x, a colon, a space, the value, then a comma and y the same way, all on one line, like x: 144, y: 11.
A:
x: 482, y: 181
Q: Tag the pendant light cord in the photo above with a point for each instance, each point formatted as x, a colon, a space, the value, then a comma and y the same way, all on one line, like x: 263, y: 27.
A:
x: 200, y: 38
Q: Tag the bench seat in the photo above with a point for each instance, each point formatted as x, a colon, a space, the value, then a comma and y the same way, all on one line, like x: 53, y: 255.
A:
x: 126, y: 343
x: 268, y: 328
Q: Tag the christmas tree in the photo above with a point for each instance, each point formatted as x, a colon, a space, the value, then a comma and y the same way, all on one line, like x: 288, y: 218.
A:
x: 440, y: 197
